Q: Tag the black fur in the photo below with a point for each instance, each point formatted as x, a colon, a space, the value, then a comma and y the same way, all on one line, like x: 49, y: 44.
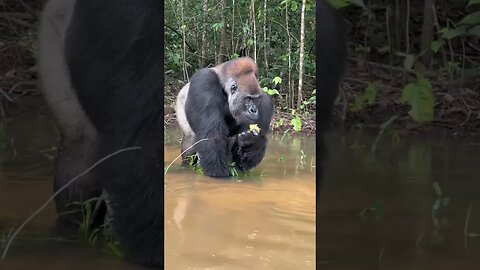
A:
x: 331, y: 57
x: 114, y: 52
x: 249, y: 147
x: 209, y: 117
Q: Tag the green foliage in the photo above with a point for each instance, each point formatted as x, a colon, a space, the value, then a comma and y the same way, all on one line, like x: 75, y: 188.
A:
x: 311, y: 100
x: 296, y: 123
x: 450, y: 58
x: 271, y: 92
x: 217, y: 26
x: 367, y: 98
x: 468, y: 26
x: 194, y: 163
x: 104, y: 231
x: 276, y: 81
x: 293, y: 5
x: 437, y: 45
x: 87, y: 210
x: 182, y: 60
x: 339, y: 3
x: 473, y: 2
x: 419, y: 95
x: 451, y: 33
x: 346, y: 3
x: 471, y: 19
x: 233, y: 170
x: 280, y: 122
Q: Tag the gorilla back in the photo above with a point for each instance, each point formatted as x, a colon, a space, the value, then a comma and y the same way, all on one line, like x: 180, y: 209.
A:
x: 101, y: 66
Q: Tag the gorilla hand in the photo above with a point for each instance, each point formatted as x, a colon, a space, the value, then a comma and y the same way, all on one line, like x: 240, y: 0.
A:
x: 248, y: 149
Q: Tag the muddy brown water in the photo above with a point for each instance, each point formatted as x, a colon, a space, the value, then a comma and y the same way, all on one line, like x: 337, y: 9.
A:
x: 263, y: 221
x: 376, y: 211
x: 381, y: 211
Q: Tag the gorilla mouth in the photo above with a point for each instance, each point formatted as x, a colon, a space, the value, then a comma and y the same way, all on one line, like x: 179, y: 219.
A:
x: 251, y: 116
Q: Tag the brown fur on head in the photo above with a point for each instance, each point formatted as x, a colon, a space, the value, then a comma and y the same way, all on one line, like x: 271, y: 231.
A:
x: 245, y: 71
x: 239, y: 79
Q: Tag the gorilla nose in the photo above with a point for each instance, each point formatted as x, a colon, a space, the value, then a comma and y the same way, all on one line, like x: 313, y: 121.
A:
x: 253, y: 112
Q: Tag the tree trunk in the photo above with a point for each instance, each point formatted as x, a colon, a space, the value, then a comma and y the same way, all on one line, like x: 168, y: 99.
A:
x: 427, y: 32
x: 265, y: 47
x: 233, y: 49
x: 184, y: 41
x: 407, y: 28
x: 223, y: 39
x: 397, y: 28
x: 203, y: 55
x: 252, y: 6
x: 290, y: 94
x: 302, y: 55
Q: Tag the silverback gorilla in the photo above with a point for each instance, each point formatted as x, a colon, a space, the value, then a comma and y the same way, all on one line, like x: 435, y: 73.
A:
x: 101, y: 66
x: 219, y: 104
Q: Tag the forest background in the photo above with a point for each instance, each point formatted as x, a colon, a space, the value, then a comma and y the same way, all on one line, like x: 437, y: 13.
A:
x: 412, y: 65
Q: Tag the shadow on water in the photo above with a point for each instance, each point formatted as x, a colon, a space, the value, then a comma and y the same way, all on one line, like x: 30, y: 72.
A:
x: 265, y: 220
x: 413, y: 204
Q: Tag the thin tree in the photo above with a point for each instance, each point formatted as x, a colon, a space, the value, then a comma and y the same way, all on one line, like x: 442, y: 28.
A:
x: 184, y: 58
x: 203, y: 56
x: 265, y: 34
x: 302, y: 55
x: 427, y: 31
x: 290, y: 93
x: 252, y: 8
x: 233, y: 49
x: 223, y: 39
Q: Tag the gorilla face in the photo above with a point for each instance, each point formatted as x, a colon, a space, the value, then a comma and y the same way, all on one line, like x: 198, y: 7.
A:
x: 243, y: 106
x: 243, y: 90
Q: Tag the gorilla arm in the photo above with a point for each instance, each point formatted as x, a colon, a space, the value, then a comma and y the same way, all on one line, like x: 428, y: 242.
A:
x: 206, y: 111
x: 249, y: 146
x: 114, y: 54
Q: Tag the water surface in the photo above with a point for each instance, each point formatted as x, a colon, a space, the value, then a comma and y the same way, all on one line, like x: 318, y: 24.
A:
x: 413, y: 204
x: 404, y: 207
x: 265, y: 220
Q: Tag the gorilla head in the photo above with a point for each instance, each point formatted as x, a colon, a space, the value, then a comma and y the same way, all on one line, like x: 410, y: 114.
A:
x: 239, y: 78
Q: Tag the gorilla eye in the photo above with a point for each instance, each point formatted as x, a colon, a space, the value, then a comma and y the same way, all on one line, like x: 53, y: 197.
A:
x: 233, y: 88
